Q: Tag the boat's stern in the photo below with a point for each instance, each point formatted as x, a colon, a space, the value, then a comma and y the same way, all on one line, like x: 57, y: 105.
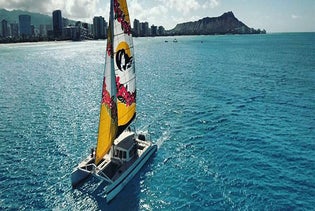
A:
x: 78, y: 176
x: 145, y: 145
x: 84, y: 169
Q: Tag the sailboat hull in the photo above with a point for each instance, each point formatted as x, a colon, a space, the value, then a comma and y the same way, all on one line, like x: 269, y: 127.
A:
x: 115, y: 169
x: 78, y: 176
x: 83, y: 171
x: 113, y: 189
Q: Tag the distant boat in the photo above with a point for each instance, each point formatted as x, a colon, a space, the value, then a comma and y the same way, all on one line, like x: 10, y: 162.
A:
x: 175, y: 40
x: 120, y: 153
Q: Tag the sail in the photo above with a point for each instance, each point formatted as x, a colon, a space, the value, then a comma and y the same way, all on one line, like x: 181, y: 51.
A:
x: 108, y: 123
x: 124, y: 65
x: 118, y: 105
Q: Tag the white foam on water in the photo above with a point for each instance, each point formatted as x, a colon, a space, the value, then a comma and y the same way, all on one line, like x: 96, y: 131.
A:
x: 165, y: 136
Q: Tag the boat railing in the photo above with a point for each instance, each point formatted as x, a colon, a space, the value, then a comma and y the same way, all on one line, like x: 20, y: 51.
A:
x: 89, y: 167
x: 103, y: 176
x: 143, y: 143
x: 97, y: 172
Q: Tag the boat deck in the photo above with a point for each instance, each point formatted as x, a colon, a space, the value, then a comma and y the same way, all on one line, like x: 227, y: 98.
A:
x: 115, y: 167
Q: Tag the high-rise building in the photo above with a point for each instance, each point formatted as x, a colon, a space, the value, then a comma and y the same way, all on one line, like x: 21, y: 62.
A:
x: 25, y: 25
x: 49, y: 27
x: 42, y: 30
x: 4, y: 28
x: 33, y: 30
x: 154, y: 31
x: 57, y: 23
x: 85, y: 28
x: 99, y: 27
x: 14, y: 29
x: 136, y: 28
x: 144, y: 29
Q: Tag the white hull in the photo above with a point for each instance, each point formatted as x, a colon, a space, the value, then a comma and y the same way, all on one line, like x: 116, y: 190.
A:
x: 83, y: 171
x: 78, y: 175
x: 113, y: 189
x: 116, y: 172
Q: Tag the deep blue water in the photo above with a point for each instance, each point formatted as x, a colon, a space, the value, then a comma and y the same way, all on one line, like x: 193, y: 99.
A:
x: 234, y: 117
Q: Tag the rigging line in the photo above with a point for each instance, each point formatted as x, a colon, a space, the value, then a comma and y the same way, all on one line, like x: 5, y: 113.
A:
x: 122, y: 33
x: 131, y: 79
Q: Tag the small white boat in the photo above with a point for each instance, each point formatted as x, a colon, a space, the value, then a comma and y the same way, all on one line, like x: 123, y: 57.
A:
x: 120, y: 153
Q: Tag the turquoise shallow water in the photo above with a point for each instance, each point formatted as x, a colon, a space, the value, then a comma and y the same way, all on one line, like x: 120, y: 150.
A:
x: 234, y: 117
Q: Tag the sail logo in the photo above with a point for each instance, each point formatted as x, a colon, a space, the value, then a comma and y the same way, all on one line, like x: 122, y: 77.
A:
x: 124, y: 62
x: 123, y: 56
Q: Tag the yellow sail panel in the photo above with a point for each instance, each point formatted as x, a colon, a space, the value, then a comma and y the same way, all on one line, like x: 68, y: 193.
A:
x: 106, y: 133
x: 124, y: 8
x: 108, y: 125
x: 125, y: 113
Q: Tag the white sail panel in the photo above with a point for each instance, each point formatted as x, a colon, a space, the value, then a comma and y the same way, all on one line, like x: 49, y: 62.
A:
x: 124, y: 65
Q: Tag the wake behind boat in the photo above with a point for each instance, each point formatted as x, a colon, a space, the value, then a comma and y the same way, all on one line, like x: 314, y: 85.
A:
x: 120, y: 153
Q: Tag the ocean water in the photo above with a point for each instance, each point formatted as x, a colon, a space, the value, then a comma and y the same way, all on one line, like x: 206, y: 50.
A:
x: 233, y: 116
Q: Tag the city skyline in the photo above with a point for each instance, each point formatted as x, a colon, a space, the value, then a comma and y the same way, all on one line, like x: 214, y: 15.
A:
x: 274, y: 16
x: 61, y: 28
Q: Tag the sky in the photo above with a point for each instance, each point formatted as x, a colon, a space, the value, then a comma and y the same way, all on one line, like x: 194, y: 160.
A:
x: 271, y: 15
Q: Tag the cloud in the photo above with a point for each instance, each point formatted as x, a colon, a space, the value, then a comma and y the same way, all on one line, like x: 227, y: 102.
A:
x: 73, y: 9
x: 188, y: 6
x: 210, y: 4
x: 136, y: 8
x: 80, y: 8
x: 156, y: 14
x: 183, y: 7
x: 295, y: 16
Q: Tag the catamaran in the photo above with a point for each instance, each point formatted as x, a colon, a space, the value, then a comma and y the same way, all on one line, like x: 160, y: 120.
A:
x: 120, y: 153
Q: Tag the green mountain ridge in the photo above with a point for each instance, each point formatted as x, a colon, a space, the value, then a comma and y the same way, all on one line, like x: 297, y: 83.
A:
x: 36, y: 18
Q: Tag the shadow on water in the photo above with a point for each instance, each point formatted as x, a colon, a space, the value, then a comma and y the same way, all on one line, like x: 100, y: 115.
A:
x: 127, y: 199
